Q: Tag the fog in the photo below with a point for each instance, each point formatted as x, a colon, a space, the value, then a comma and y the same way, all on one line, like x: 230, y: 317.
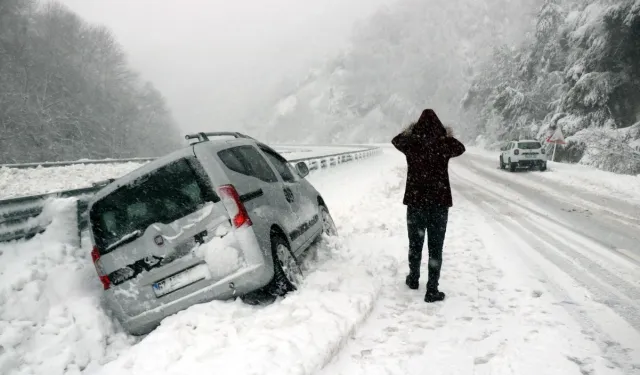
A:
x: 216, y: 60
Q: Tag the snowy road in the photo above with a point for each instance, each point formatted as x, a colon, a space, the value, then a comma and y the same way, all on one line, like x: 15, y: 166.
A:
x: 541, y: 278
x: 567, y: 237
x: 535, y: 284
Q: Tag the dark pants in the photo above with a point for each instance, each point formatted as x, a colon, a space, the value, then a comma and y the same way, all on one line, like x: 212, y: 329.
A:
x: 432, y: 219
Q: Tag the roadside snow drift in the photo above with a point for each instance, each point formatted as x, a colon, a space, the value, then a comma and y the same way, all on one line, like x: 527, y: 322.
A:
x: 51, y: 321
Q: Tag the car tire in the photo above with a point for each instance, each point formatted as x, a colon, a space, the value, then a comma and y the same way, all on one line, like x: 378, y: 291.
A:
x: 543, y: 167
x: 502, y: 166
x: 512, y: 166
x: 328, y: 225
x: 287, y: 273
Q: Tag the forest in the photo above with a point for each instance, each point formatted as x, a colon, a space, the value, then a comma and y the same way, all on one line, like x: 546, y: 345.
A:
x: 579, y: 71
x: 68, y: 93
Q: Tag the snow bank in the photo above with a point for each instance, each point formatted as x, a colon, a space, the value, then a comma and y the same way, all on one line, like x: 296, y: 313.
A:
x: 595, y: 180
x: 609, y: 149
x: 51, y: 321
x: 21, y: 182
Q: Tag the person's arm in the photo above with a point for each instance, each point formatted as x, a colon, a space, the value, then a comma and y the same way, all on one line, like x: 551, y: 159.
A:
x: 454, y: 147
x: 404, y: 142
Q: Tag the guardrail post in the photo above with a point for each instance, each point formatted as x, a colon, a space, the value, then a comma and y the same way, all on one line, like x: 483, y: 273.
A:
x: 79, y: 218
x: 82, y: 205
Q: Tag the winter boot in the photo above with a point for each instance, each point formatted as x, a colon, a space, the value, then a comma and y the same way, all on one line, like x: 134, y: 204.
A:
x: 412, y: 281
x: 434, y: 296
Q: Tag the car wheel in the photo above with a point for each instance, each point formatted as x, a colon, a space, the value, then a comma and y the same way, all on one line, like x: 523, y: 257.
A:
x: 512, y: 166
x: 286, y: 270
x: 328, y: 225
x: 502, y: 166
x: 543, y: 167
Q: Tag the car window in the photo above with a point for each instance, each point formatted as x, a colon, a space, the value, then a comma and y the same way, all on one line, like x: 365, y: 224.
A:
x: 247, y: 161
x: 529, y: 145
x: 233, y: 161
x: 280, y: 164
x: 161, y: 196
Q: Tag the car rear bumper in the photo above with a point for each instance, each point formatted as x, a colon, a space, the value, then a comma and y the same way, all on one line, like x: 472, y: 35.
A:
x: 239, y: 283
x: 140, y: 310
x: 530, y: 162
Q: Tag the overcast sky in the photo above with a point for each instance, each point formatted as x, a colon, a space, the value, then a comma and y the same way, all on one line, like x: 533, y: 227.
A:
x: 215, y: 60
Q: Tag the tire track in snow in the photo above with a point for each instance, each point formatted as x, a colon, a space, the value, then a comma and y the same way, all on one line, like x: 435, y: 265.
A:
x: 591, y: 229
x: 572, y: 254
x: 620, y: 219
x: 566, y: 262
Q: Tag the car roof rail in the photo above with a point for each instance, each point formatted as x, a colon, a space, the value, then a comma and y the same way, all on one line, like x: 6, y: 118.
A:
x: 204, y: 136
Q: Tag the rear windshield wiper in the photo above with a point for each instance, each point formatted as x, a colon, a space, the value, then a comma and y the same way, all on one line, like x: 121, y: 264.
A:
x: 124, y: 240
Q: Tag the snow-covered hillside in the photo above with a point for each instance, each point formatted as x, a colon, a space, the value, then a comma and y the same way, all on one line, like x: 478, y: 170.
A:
x: 412, y: 55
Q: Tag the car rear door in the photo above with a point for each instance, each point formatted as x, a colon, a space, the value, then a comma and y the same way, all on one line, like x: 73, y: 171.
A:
x: 144, y: 230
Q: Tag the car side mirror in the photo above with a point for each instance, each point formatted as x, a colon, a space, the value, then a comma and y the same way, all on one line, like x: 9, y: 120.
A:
x: 302, y: 169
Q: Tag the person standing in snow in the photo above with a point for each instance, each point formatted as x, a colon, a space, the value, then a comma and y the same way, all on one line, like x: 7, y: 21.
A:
x: 428, y: 146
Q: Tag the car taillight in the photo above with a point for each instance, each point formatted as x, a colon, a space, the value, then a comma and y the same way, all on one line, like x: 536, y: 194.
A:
x: 516, y: 152
x: 231, y: 200
x: 104, y: 279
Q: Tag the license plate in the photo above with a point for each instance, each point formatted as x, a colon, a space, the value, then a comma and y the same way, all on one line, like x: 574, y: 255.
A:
x: 180, y: 280
x: 530, y: 156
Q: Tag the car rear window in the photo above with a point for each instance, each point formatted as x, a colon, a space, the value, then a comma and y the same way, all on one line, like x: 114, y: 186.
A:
x: 162, y: 196
x: 529, y: 145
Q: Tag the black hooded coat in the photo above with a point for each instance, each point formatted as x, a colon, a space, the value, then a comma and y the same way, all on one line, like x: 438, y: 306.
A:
x: 428, y: 150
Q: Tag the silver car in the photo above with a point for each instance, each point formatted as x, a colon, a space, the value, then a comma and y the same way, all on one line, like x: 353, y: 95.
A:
x: 215, y: 220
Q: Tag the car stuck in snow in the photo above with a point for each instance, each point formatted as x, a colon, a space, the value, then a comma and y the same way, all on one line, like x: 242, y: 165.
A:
x: 215, y: 220
x: 523, y: 154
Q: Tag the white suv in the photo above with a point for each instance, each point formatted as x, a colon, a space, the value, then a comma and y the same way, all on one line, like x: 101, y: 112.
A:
x: 523, y: 154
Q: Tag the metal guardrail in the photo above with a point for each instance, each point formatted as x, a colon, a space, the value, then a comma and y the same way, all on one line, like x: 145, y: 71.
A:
x: 50, y: 164
x: 21, y: 218
x: 17, y: 215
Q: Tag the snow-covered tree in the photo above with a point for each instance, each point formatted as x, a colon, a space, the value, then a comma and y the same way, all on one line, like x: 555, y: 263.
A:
x: 66, y: 91
x: 581, y: 71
